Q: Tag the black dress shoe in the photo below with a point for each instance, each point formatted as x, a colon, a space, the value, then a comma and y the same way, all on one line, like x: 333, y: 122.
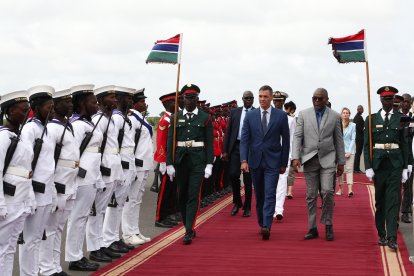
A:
x: 62, y: 273
x: 188, y: 238
x: 127, y: 246
x: 110, y: 253
x: 173, y: 222
x: 382, y: 241
x: 392, y: 243
x: 247, y: 213
x: 279, y: 217
x: 164, y: 223
x: 312, y: 234
x: 83, y: 265
x: 329, y: 233
x: 265, y: 233
x: 405, y: 217
x: 100, y: 256
x: 235, y: 209
x: 118, y: 248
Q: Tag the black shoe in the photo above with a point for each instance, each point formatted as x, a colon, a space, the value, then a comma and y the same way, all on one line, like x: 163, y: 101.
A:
x: 118, y: 248
x: 329, y: 233
x: 235, y: 209
x: 110, y: 253
x: 83, y: 265
x: 382, y: 241
x: 99, y: 256
x: 247, y: 213
x: 173, y: 222
x: 164, y: 223
x: 154, y: 188
x: 173, y: 218
x: 128, y: 246
x: 188, y: 238
x: 392, y: 243
x: 279, y: 217
x: 312, y: 234
x: 265, y: 233
x: 62, y: 273
x: 405, y: 217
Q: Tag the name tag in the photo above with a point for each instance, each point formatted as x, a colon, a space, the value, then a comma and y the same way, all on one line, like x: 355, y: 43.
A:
x: 181, y: 121
x: 381, y: 126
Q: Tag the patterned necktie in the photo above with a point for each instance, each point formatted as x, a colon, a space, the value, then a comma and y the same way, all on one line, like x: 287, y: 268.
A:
x: 264, y: 121
x: 318, y: 117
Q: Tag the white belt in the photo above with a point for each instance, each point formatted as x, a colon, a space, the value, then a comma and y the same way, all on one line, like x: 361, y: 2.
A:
x: 129, y: 150
x: 92, y: 149
x: 190, y: 144
x: 111, y: 150
x: 19, y: 172
x: 68, y: 163
x: 386, y: 146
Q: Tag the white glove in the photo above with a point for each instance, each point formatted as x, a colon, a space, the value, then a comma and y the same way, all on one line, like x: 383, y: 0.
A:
x: 54, y: 202
x: 3, y: 212
x: 370, y: 174
x: 404, y: 176
x: 171, y: 172
x: 410, y: 168
x: 214, y: 159
x: 61, y: 203
x: 33, y: 207
x: 163, y: 168
x: 208, y: 171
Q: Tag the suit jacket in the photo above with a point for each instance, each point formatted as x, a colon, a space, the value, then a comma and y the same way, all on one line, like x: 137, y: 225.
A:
x: 233, y: 129
x: 272, y: 146
x: 327, y: 141
x: 394, y: 134
x: 359, y: 122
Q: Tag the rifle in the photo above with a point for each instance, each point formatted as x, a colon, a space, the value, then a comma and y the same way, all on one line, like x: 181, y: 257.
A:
x: 122, y: 131
x: 105, y: 136
x: 138, y: 133
x: 8, y: 188
x: 58, y: 147
x: 88, y: 137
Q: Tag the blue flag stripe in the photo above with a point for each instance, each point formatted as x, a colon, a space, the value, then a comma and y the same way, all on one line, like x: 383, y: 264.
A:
x: 166, y: 47
x: 349, y: 46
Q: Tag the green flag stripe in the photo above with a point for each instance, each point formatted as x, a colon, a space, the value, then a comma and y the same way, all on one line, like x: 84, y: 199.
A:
x: 162, y: 57
x: 354, y: 56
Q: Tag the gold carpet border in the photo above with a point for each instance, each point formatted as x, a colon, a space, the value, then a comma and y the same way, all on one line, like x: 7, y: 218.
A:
x: 166, y: 241
x: 392, y: 261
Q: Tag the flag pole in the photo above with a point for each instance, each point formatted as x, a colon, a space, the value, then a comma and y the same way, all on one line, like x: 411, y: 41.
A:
x: 369, y: 111
x: 177, y: 87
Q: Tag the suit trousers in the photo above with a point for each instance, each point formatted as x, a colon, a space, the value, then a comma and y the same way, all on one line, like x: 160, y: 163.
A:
x: 33, y: 233
x: 234, y: 174
x: 265, y: 183
x: 94, y: 226
x: 359, y: 145
x: 189, y: 177
x: 387, y: 182
x: 113, y: 215
x: 316, y: 177
x: 49, y: 261
x: 130, y: 214
x: 281, y: 191
x: 76, y: 228
x: 11, y: 227
x: 407, y: 195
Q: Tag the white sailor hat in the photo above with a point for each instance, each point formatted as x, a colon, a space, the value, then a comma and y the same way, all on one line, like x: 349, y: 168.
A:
x: 40, y: 91
x: 62, y: 95
x: 11, y: 98
x: 105, y: 90
x: 138, y: 95
x: 279, y: 95
x: 81, y: 89
x: 120, y: 90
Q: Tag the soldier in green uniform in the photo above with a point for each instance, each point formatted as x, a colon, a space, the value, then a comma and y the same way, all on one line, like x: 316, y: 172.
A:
x: 193, y: 158
x: 388, y: 165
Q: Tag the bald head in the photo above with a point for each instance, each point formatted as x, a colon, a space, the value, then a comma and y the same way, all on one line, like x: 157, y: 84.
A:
x: 322, y: 91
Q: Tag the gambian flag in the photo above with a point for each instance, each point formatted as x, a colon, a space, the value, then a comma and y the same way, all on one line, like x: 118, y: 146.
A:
x: 166, y: 51
x: 350, y: 48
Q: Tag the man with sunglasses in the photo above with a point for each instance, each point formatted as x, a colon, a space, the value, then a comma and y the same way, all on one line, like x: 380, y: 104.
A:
x: 231, y: 154
x: 321, y: 151
x: 388, y: 166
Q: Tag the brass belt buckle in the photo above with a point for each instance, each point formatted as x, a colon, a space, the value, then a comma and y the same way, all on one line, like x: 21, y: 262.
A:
x: 188, y: 144
x: 387, y: 146
x: 76, y: 164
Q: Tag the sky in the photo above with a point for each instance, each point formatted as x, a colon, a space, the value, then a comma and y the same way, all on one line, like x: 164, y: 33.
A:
x: 228, y: 47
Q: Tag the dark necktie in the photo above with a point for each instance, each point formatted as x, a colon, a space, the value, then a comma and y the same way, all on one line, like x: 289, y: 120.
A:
x: 264, y: 121
x: 318, y: 117
x: 386, y: 120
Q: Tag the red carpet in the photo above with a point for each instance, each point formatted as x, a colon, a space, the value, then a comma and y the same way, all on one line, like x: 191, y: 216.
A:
x: 228, y: 245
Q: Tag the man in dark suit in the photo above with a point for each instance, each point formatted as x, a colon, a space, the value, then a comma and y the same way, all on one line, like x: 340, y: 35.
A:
x: 264, y: 149
x: 231, y: 152
x: 359, y: 137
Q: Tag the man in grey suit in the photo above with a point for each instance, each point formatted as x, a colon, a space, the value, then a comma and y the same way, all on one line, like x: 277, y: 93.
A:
x: 321, y: 151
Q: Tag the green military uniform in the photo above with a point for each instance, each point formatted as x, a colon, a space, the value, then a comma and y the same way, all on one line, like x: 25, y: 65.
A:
x: 194, y: 150
x: 389, y: 158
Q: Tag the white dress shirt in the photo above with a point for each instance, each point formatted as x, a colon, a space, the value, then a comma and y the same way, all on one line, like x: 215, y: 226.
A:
x: 243, y: 114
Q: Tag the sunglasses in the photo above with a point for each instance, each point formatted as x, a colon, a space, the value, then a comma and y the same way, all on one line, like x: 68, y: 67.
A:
x: 248, y: 98
x: 315, y: 98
